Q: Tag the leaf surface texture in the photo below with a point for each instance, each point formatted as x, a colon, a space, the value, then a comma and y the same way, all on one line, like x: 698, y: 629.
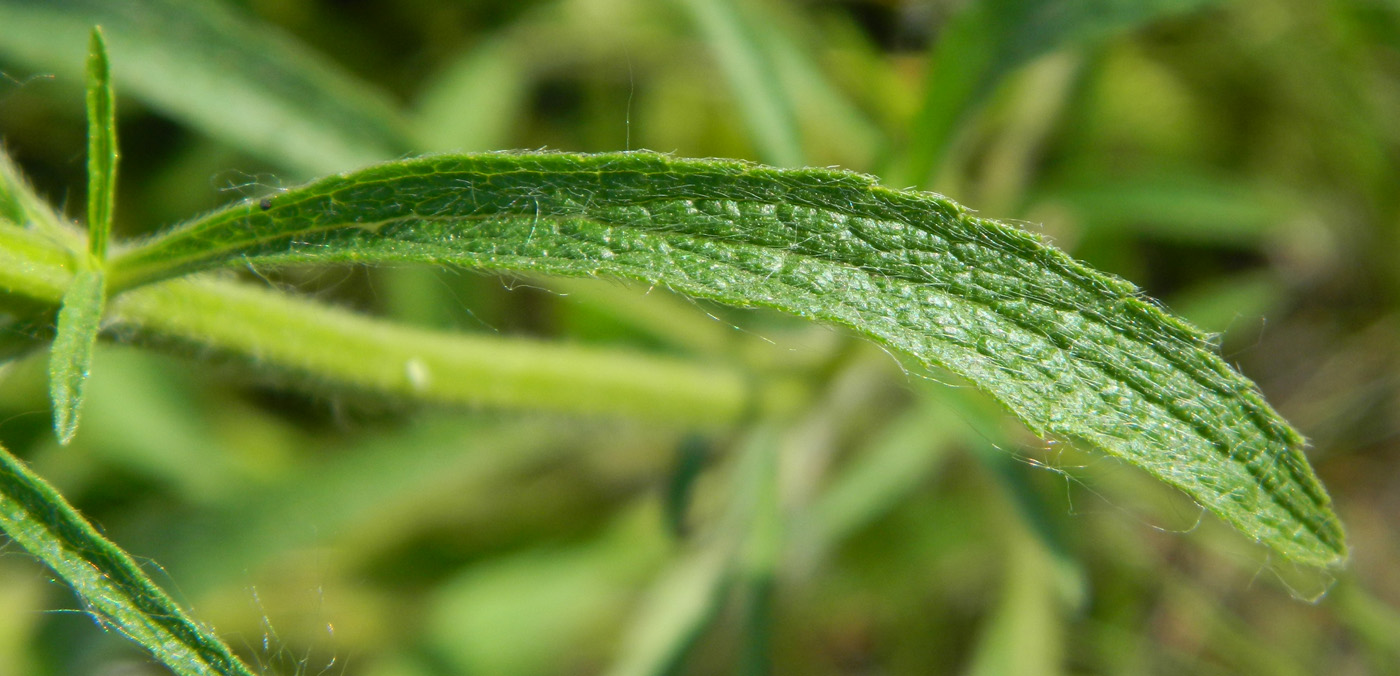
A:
x: 1071, y: 351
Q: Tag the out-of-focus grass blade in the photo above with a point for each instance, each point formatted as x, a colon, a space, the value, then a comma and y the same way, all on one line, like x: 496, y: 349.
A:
x: 1035, y: 533
x: 1023, y: 637
x: 1071, y: 351
x: 691, y: 457
x: 893, y: 465
x: 1042, y: 582
x: 827, y: 120
x: 1180, y: 205
x: 742, y: 548
x: 142, y: 415
x: 79, y: 320
x: 753, y: 76
x: 495, y: 616
x: 473, y: 103
x: 110, y: 584
x: 674, y: 613
x: 204, y: 64
x: 1223, y: 303
x: 756, y: 565
x: 102, y: 146
x: 987, y: 40
x: 364, y: 499
x: 1376, y: 621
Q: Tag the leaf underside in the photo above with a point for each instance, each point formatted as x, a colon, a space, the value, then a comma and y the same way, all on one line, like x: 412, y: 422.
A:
x: 1072, y: 352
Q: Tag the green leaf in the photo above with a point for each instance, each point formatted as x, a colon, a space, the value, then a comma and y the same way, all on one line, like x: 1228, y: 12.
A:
x: 111, y: 585
x: 1069, y: 350
x: 102, y: 146
x: 79, y: 321
x: 218, y: 71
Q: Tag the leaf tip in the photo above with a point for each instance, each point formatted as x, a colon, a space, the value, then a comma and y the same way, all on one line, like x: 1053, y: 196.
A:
x: 66, y: 380
x: 65, y: 421
x: 102, y: 144
x: 97, y: 46
x: 97, y: 64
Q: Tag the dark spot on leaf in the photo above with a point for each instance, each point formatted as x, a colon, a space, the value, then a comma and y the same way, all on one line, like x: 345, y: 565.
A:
x: 265, y: 203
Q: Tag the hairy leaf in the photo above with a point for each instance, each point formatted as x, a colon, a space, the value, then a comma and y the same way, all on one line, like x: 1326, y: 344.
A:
x: 1071, y: 351
x: 79, y: 321
x: 102, y: 146
x: 104, y: 577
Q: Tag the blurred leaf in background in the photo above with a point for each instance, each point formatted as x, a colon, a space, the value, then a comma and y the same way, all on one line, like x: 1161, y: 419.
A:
x: 1238, y: 160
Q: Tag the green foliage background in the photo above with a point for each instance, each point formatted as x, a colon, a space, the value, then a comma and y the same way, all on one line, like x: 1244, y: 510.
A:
x: 1236, y: 159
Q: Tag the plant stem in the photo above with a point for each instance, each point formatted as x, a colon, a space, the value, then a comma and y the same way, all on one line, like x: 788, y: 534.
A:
x: 32, y: 266
x: 337, y: 347
x: 344, y: 348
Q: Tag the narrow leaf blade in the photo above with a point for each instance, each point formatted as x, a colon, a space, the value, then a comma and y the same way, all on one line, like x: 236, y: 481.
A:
x: 79, y: 320
x: 108, y: 581
x: 1071, y: 351
x: 102, y: 146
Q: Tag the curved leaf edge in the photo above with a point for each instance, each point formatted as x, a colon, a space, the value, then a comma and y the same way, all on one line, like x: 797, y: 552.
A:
x: 370, y: 216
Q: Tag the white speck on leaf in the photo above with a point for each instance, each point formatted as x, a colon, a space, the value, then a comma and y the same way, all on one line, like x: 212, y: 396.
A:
x: 419, y: 377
